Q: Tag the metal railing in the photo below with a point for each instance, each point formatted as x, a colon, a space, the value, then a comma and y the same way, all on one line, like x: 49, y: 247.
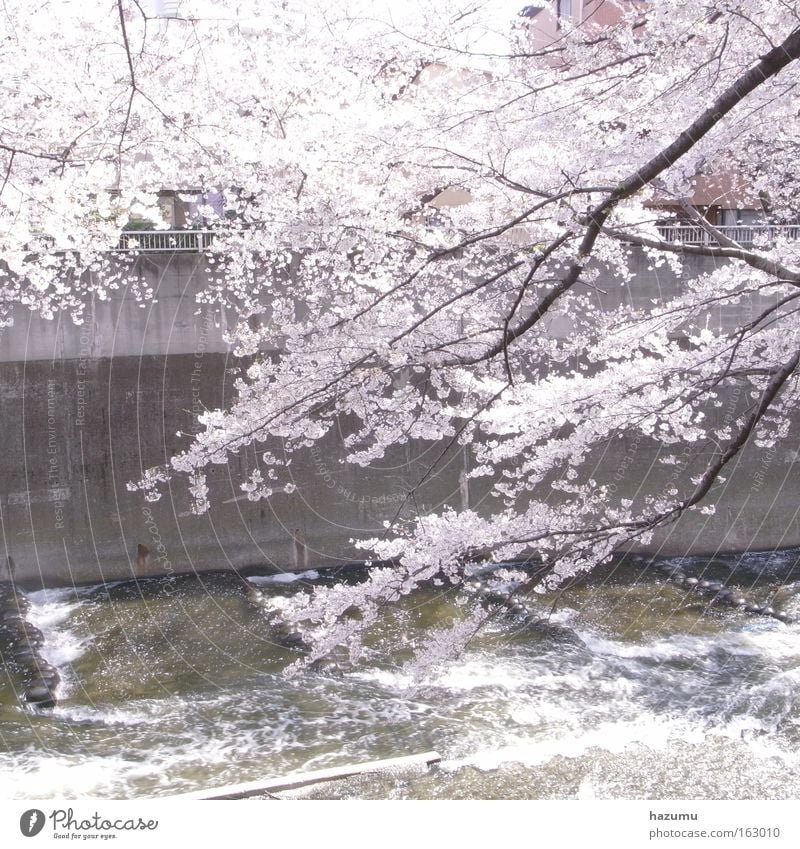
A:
x: 744, y: 234
x: 164, y: 241
x: 193, y: 241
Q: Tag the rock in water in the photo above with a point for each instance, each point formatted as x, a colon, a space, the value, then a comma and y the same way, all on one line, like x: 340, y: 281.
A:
x: 39, y: 693
x: 24, y: 654
x: 14, y: 602
x: 254, y: 597
x: 12, y: 615
x: 20, y: 641
x: 45, y: 670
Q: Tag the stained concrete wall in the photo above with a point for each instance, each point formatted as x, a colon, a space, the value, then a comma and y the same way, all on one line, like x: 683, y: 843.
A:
x: 86, y: 408
x: 76, y: 432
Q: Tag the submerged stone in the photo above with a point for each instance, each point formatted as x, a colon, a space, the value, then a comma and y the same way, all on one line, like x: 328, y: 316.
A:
x: 24, y: 654
x: 39, y: 693
x: 12, y: 615
x: 8, y: 624
x: 44, y: 669
x: 15, y: 603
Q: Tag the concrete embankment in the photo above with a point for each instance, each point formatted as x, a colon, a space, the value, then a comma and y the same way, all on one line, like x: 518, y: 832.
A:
x: 85, y: 409
x: 21, y: 646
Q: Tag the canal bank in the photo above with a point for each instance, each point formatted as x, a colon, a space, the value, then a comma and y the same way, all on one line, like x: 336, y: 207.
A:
x: 87, y: 408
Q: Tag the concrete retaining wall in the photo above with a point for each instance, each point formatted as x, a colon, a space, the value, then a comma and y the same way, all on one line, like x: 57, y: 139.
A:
x: 85, y: 409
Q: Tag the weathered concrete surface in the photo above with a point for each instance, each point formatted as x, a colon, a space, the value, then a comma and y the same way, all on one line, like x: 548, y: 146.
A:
x: 174, y: 323
x: 123, y: 325
x: 86, y: 409
x: 76, y: 432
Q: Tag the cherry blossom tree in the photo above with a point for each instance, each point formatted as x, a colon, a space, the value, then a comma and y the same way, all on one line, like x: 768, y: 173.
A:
x: 439, y: 181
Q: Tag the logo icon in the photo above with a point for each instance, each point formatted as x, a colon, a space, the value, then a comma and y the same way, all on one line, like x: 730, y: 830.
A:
x: 31, y: 822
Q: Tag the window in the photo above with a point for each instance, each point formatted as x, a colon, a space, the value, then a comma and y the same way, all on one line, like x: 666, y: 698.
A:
x: 532, y: 10
x: 165, y: 8
x: 564, y: 10
x: 203, y: 208
x: 741, y: 217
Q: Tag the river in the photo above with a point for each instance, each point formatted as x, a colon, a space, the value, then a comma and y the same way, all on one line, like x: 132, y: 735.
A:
x: 628, y: 687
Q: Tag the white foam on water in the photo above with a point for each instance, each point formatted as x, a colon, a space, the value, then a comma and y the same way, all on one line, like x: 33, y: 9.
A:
x: 651, y: 732
x: 50, y: 609
x: 477, y: 674
x: 47, y: 776
x: 562, y: 616
x: 772, y: 639
x: 152, y: 747
x: 472, y: 674
x: 553, y: 712
x: 387, y: 678
x: 284, y: 577
x: 51, y: 598
x: 791, y: 605
x: 106, y: 715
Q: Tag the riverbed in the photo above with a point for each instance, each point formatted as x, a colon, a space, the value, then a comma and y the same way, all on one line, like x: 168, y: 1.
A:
x: 623, y: 686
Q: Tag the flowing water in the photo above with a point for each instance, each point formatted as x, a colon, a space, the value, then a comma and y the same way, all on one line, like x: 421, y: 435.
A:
x: 632, y: 688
